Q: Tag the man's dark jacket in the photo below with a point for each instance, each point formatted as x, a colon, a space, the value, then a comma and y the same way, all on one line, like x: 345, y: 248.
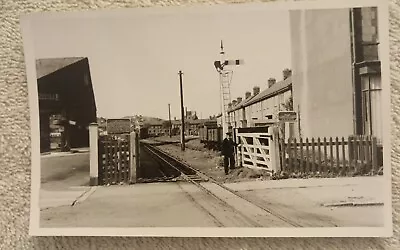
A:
x: 228, y: 147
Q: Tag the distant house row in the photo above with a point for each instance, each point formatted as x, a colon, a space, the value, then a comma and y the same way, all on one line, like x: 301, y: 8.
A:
x: 260, y: 108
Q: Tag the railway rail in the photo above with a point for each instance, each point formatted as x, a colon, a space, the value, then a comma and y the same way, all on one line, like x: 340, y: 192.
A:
x: 198, y: 178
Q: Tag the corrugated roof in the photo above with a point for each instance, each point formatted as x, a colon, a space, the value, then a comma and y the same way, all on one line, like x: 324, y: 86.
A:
x: 269, y: 92
x: 47, y: 66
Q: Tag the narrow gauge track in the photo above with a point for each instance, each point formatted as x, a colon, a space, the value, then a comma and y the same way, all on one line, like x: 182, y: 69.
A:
x: 194, y: 176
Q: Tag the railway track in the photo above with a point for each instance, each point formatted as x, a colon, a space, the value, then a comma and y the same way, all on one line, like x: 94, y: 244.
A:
x: 199, y: 179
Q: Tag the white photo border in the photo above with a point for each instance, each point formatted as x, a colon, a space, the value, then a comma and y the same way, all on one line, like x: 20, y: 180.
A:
x: 386, y: 231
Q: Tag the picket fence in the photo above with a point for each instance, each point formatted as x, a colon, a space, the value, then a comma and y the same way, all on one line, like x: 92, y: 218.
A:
x: 357, y: 153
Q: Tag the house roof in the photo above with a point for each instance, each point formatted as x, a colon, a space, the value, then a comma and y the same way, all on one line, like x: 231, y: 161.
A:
x: 275, y: 89
x: 242, y: 104
x: 47, y: 66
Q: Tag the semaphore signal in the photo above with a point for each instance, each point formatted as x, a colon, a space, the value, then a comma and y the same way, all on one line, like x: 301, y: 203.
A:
x: 225, y: 77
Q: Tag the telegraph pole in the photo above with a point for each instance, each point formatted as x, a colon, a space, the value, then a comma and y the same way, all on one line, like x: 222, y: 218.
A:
x: 182, y: 114
x: 169, y: 118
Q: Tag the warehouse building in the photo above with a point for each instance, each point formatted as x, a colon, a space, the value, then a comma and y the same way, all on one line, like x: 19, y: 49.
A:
x: 66, y: 103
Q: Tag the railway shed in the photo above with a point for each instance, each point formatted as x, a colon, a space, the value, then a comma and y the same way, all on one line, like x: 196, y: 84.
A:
x: 65, y: 91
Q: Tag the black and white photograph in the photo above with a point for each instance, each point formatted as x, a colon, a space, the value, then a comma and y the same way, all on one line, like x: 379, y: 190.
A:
x: 233, y: 120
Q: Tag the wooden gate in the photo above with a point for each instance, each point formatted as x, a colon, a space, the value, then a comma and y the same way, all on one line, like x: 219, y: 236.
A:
x: 256, y: 148
x: 114, y: 159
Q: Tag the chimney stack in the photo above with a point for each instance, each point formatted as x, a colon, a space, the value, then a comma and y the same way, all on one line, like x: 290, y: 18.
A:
x: 287, y: 73
x: 271, y: 81
x: 247, y: 94
x: 256, y: 90
x: 239, y: 100
x: 234, y: 102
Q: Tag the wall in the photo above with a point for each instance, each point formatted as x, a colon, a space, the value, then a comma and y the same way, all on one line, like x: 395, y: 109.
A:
x: 322, y: 76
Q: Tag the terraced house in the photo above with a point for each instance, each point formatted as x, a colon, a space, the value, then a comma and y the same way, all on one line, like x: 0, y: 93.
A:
x: 261, y: 108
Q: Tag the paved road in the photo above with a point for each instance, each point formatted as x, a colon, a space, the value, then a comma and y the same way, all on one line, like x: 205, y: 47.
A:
x: 60, y: 171
x: 182, y: 205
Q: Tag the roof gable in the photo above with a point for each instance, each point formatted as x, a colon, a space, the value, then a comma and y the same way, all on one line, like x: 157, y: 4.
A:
x: 47, y: 66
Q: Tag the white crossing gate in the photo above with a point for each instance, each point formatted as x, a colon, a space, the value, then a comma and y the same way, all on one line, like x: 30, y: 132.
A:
x: 257, y: 148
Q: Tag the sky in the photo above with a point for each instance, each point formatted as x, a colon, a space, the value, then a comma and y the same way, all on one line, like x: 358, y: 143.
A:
x: 135, y: 56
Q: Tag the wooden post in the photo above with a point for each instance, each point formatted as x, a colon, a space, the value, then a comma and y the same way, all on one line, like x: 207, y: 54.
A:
x: 337, y: 155
x: 274, y: 146
x: 319, y: 167
x: 356, y: 155
x: 301, y: 166
x: 137, y: 142
x: 313, y: 155
x: 344, y: 156
x: 325, y: 167
x: 374, y: 154
x: 331, y: 155
x: 350, y: 149
x: 308, y: 157
x: 133, y: 156
x: 290, y: 154
x: 94, y: 154
x: 169, y: 118
x: 295, y: 166
x: 362, y: 153
x: 182, y: 114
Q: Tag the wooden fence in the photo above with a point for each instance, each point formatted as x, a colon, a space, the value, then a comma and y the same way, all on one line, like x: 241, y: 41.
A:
x: 330, y: 155
x: 114, y: 161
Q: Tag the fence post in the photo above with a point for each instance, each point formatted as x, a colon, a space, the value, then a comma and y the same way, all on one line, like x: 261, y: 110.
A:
x: 374, y: 154
x: 94, y: 154
x: 137, y: 155
x: 274, y: 146
x: 133, y: 157
x: 350, y: 149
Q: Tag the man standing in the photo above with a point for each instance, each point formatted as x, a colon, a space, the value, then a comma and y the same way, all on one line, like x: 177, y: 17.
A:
x: 228, y: 149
